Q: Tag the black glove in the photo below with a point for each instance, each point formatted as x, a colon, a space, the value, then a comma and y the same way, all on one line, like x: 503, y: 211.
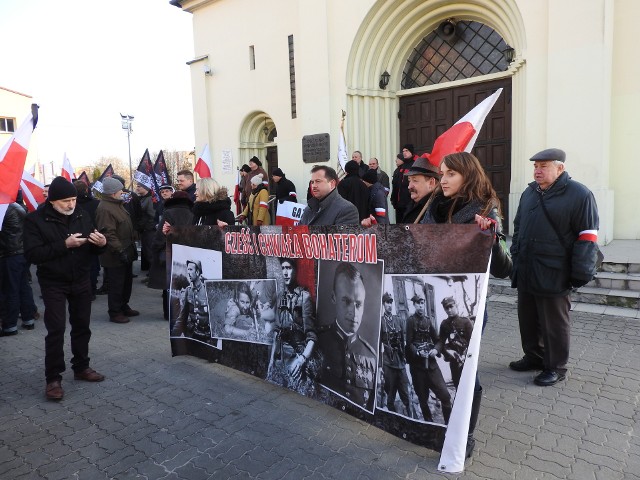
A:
x: 124, y: 257
x: 577, y: 283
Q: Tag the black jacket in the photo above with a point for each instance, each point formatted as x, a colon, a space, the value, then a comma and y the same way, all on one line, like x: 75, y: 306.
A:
x: 89, y: 205
x: 45, y: 232
x: 352, y: 189
x: 543, y: 264
x: 286, y: 191
x: 413, y: 210
x: 12, y: 230
x: 400, y: 196
x: 208, y: 213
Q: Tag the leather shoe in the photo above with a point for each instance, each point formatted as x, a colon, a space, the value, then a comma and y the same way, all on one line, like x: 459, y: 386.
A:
x: 120, y: 318
x: 88, y: 375
x: 548, y: 378
x: 54, y: 390
x: 129, y: 312
x: 525, y: 365
x: 8, y: 334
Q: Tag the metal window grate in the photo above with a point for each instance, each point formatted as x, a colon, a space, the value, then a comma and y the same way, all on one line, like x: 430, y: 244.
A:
x: 476, y: 49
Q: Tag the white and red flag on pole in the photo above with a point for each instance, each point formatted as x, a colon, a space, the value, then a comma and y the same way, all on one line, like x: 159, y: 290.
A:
x: 204, y: 167
x: 67, y: 169
x: 461, y: 137
x: 32, y: 191
x: 13, y: 156
x: 343, y: 156
x: 32, y: 170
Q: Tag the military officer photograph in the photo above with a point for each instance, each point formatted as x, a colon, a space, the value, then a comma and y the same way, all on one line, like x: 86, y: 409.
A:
x: 394, y: 361
x: 349, y: 327
x: 193, y: 319
x: 455, y: 334
x: 189, y: 316
x: 422, y: 338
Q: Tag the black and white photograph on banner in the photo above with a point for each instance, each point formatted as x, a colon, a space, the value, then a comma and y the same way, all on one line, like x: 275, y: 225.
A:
x: 191, y: 267
x: 427, y: 322
x: 349, y: 329
x: 242, y: 310
x: 295, y: 359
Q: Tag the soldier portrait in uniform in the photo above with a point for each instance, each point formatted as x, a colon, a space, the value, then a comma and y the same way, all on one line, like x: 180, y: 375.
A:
x: 189, y: 306
x: 455, y: 334
x: 349, y: 327
x: 294, y: 358
x: 242, y: 310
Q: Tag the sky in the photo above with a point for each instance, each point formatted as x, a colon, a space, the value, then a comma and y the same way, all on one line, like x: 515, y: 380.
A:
x: 86, y: 61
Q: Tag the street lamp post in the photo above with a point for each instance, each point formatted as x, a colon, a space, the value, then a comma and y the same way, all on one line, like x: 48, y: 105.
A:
x: 127, y: 120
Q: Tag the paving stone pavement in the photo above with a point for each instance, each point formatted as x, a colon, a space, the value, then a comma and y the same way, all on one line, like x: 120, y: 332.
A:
x: 158, y: 417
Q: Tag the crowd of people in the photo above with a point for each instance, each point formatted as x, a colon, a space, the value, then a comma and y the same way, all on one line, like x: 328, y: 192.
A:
x: 72, y: 235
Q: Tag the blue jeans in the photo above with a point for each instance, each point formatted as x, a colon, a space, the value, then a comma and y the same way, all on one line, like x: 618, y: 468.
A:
x: 18, y: 293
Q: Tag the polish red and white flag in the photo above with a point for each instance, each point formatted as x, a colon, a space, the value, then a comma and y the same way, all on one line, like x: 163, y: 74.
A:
x: 67, y: 169
x: 461, y: 137
x: 203, y: 165
x: 31, y: 191
x: 13, y: 156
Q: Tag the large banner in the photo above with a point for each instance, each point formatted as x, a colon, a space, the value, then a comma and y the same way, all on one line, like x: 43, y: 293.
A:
x: 382, y: 323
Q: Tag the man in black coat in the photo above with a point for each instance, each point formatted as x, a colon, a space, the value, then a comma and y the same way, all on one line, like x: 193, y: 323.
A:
x: 423, y: 178
x: 60, y: 240
x: 285, y: 189
x: 554, y: 248
x: 352, y: 189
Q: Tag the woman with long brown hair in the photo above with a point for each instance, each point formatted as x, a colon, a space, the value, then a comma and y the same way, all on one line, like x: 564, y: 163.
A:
x: 465, y: 195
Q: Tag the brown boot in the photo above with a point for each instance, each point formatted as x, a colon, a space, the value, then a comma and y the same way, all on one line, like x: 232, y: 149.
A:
x: 54, y: 390
x: 88, y: 375
x: 119, y: 318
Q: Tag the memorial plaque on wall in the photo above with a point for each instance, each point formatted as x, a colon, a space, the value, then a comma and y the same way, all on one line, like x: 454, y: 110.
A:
x: 316, y: 148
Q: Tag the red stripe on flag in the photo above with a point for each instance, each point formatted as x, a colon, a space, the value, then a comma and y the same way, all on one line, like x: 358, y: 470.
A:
x: 11, y: 167
x: 202, y: 169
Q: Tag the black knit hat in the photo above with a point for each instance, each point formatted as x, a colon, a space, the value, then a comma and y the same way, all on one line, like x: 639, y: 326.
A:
x: 61, y: 188
x: 351, y: 167
x: 370, y: 176
x: 245, y: 168
x: 408, y: 146
x: 255, y: 160
x: 277, y: 172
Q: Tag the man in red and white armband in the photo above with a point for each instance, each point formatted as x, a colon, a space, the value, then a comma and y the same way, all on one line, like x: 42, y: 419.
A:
x: 554, y: 249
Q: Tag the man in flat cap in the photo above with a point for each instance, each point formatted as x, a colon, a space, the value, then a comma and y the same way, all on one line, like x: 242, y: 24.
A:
x: 193, y: 320
x: 554, y: 249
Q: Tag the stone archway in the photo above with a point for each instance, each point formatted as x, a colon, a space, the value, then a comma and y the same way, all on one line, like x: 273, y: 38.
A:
x: 257, y: 137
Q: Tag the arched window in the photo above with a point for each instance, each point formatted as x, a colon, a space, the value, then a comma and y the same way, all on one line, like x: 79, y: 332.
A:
x: 455, y: 50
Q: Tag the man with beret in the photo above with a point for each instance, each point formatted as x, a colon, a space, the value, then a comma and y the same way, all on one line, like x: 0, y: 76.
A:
x: 394, y: 360
x: 352, y: 189
x: 285, y: 189
x: 378, y: 208
x: 326, y: 206
x: 422, y: 337
x: 60, y: 240
x: 455, y: 335
x: 554, y: 249
x: 113, y: 219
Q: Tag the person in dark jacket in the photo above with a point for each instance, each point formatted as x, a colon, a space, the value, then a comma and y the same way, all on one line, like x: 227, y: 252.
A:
x: 285, y: 189
x: 327, y: 207
x: 554, y: 248
x: 185, y: 182
x: 255, y: 165
x: 113, y: 219
x: 177, y: 211
x: 14, y: 274
x: 89, y: 204
x: 356, y: 156
x: 400, y: 197
x: 383, y: 178
x: 352, y: 189
x: 146, y: 225
x: 60, y: 240
x: 212, y: 204
x: 423, y: 178
x: 465, y: 195
x: 378, y: 208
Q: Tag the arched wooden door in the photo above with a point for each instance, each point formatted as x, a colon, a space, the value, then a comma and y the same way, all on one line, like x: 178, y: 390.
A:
x: 425, y: 116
